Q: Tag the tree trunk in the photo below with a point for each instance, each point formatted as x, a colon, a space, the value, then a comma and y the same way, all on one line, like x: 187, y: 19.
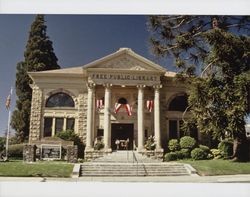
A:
x: 240, y: 148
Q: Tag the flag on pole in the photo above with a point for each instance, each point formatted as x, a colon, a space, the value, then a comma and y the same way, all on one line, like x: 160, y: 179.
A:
x: 150, y: 105
x: 8, y: 100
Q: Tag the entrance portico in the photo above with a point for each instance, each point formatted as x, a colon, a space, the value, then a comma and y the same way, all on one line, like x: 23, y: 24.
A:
x: 108, y: 84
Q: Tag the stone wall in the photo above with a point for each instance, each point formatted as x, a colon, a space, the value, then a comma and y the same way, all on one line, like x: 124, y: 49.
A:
x: 29, y: 153
x: 153, y: 154
x: 93, y: 154
x: 72, y: 154
x: 36, y: 114
x: 82, y: 116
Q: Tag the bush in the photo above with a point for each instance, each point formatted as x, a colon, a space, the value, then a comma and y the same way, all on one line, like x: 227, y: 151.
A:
x: 98, y: 143
x: 226, y: 148
x: 216, y: 153
x: 187, y: 142
x: 205, y: 148
x: 69, y: 135
x: 173, y: 145
x: 198, y: 154
x: 179, y: 154
x: 150, y: 143
x: 172, y: 156
x: 16, y: 150
x: 185, y: 153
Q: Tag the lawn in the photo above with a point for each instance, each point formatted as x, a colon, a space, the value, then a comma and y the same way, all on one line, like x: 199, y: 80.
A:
x: 219, y: 167
x: 38, y: 169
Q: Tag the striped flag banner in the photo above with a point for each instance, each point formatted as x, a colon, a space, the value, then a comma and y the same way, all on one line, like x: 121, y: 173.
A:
x: 150, y: 105
x: 129, y: 109
x: 117, y: 107
x: 99, y: 103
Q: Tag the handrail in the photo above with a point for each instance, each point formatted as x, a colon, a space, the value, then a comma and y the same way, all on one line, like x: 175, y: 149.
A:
x: 135, y: 159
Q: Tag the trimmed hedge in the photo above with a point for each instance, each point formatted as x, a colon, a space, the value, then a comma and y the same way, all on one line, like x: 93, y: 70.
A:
x: 205, y: 148
x: 173, y: 145
x: 187, y: 142
x: 185, y: 153
x: 226, y: 148
x: 172, y: 156
x: 16, y: 150
x: 198, y: 154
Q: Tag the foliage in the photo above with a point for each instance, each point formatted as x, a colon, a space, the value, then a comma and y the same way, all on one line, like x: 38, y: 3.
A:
x: 2, y: 143
x: 185, y: 153
x: 150, y: 143
x: 69, y: 135
x: 198, y: 154
x: 38, y: 56
x: 181, y: 37
x: 187, y: 142
x: 171, y: 156
x: 173, y: 145
x: 226, y: 148
x: 16, y: 150
x: 98, y: 143
x: 205, y: 148
x: 216, y: 153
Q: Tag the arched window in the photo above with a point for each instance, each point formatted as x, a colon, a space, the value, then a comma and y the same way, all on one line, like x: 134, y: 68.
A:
x: 122, y: 101
x: 60, y: 100
x: 179, y: 103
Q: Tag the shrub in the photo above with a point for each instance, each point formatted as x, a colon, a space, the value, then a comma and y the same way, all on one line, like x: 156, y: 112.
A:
x: 98, y: 143
x: 205, y: 148
x: 179, y: 154
x: 69, y: 135
x: 16, y: 150
x: 216, y: 153
x: 187, y: 142
x: 185, y: 153
x: 172, y: 156
x: 173, y: 145
x: 198, y: 154
x: 150, y: 143
x: 226, y: 148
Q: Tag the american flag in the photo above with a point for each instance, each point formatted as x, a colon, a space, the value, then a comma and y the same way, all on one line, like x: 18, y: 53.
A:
x: 8, y: 100
x: 150, y: 105
x: 99, y: 103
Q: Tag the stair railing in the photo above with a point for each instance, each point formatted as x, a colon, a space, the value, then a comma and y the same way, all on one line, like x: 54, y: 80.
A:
x: 135, y: 159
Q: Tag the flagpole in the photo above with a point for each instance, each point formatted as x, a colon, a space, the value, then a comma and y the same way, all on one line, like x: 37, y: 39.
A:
x: 7, y: 137
x: 8, y: 129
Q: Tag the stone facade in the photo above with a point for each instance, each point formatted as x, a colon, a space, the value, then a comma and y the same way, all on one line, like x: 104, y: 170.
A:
x: 122, y: 75
x: 29, y: 153
x: 36, y: 114
x: 72, y: 154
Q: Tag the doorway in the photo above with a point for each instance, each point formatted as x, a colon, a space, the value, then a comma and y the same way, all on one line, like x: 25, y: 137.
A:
x: 122, y: 132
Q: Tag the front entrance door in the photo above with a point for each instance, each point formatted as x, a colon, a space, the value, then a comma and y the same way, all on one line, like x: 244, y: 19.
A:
x: 122, y: 132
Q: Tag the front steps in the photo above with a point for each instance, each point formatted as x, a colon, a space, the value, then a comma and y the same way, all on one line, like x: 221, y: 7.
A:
x: 127, y: 164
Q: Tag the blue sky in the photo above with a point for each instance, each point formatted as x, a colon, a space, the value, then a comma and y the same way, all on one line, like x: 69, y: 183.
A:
x: 77, y: 40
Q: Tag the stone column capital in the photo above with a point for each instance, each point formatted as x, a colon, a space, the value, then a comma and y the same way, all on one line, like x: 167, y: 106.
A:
x: 141, y: 86
x: 107, y: 85
x: 91, y: 85
x: 157, y: 87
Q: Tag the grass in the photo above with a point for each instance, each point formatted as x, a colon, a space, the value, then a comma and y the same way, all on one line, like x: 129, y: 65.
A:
x: 38, y: 169
x: 219, y: 167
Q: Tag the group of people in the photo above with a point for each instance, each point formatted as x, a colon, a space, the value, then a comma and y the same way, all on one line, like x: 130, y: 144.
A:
x: 122, y: 144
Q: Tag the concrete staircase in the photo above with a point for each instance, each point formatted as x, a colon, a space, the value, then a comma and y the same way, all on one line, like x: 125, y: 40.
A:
x: 127, y: 163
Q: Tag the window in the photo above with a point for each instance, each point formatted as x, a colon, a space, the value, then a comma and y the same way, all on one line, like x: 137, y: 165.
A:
x: 70, y: 124
x: 179, y: 103
x: 59, y: 125
x: 173, y: 129
x: 47, y: 127
x: 60, y: 100
x: 122, y: 101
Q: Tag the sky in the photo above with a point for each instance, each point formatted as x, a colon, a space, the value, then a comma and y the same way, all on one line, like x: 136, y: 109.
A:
x: 77, y: 40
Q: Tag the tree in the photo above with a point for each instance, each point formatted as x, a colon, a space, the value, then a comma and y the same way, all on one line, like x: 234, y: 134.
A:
x: 218, y: 99
x: 38, y: 56
x: 181, y: 37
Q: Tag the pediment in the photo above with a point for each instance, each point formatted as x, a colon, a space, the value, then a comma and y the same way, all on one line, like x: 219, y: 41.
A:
x: 125, y: 59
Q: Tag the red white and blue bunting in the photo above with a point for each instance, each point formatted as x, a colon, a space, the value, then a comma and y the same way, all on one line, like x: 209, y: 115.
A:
x: 150, y: 105
x: 128, y: 108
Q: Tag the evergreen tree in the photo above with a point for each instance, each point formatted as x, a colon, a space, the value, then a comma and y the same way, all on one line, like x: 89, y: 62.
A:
x: 38, y: 56
x: 217, y: 100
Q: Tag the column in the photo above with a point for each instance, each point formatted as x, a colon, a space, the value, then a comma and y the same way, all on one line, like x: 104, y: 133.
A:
x: 90, y: 129
x: 157, y: 125
x: 140, y: 117
x: 107, y: 114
